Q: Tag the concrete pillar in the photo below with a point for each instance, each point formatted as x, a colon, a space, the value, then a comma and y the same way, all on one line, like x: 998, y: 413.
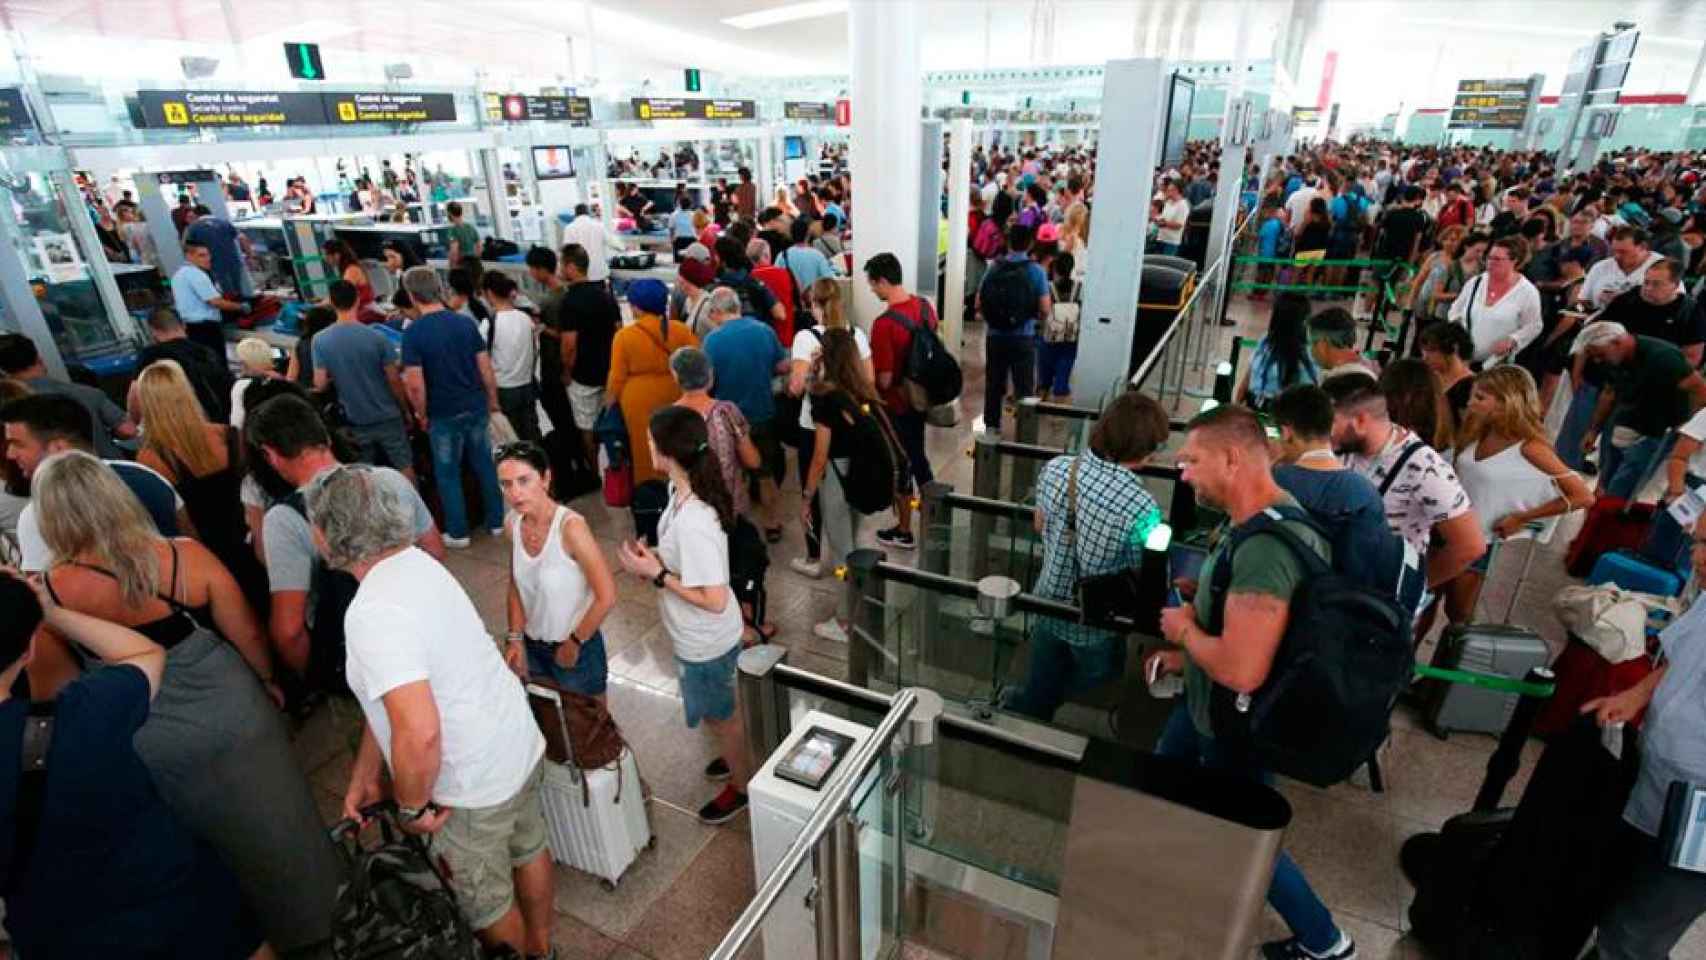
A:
x: 1234, y: 140
x: 923, y: 278
x: 492, y: 169
x: 887, y: 93
x: 959, y: 210
x: 1132, y: 94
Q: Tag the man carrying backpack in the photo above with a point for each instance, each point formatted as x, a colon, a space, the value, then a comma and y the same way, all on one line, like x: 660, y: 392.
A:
x: 1228, y: 639
x: 891, y: 345
x: 307, y: 614
x: 1013, y: 296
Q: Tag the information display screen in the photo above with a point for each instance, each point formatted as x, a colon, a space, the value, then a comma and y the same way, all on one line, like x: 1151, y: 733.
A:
x: 230, y: 108
x: 1303, y: 115
x: 390, y: 108
x: 552, y: 163
x: 1490, y: 104
x: 1181, y: 95
x: 678, y: 108
x: 14, y: 115
x: 796, y: 110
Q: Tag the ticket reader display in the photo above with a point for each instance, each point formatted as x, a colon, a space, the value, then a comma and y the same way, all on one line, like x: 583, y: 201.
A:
x: 784, y: 793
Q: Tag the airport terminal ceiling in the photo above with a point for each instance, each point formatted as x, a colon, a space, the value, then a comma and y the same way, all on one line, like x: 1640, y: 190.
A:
x: 1387, y: 53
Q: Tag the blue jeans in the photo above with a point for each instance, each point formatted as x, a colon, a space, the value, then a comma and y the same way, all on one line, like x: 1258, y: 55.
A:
x: 1006, y: 355
x: 588, y: 677
x: 1058, y: 669
x: 455, y: 439
x: 1167, y: 249
x: 1575, y: 426
x: 1621, y: 469
x: 1289, y: 894
x: 1054, y: 367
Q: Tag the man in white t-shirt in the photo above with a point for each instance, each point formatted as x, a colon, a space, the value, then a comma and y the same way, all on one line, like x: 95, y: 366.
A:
x: 1170, y: 222
x: 1623, y: 270
x: 1422, y: 494
x: 1297, y: 205
x: 444, y: 711
x: 596, y: 239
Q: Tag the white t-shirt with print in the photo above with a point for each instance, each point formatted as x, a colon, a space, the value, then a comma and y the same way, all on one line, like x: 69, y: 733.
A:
x: 1177, y: 211
x: 693, y: 546
x: 1426, y: 493
x: 411, y: 621
x: 807, y: 342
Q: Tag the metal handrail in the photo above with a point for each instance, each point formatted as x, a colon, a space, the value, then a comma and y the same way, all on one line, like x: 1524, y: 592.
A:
x: 966, y: 589
x: 836, y: 801
x: 1172, y: 328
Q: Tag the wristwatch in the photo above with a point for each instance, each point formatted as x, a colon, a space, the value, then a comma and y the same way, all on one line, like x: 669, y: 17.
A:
x: 411, y: 814
x: 657, y: 581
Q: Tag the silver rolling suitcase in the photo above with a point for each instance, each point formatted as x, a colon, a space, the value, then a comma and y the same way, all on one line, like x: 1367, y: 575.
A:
x: 1496, y: 648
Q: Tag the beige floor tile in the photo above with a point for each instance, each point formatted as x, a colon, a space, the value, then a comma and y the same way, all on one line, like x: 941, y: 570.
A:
x: 1349, y: 853
x: 575, y: 940
x: 692, y: 917
x: 614, y: 913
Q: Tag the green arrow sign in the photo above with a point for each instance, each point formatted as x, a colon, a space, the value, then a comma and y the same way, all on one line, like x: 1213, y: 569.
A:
x: 304, y: 61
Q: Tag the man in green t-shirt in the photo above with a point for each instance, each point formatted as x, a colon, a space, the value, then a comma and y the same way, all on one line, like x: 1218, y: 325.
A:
x: 1226, y: 461
x: 1650, y: 388
x: 464, y: 239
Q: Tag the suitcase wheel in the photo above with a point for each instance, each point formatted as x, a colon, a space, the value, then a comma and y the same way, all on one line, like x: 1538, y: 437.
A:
x: 608, y: 885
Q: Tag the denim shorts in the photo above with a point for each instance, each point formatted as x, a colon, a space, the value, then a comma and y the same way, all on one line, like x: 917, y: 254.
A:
x: 587, y: 677
x: 708, y: 687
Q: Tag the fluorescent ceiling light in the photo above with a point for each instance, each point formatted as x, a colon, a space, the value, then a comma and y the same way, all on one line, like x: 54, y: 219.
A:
x: 787, y: 13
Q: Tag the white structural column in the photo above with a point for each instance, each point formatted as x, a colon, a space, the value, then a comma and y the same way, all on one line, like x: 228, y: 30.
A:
x: 1234, y: 140
x: 959, y: 210
x: 924, y: 277
x: 1132, y: 95
x: 887, y: 92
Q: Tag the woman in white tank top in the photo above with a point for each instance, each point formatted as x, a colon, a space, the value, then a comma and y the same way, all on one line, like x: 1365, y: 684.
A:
x: 1509, y: 470
x: 560, y: 587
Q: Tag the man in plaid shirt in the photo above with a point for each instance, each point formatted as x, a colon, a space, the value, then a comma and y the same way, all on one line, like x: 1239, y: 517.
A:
x: 1100, y: 530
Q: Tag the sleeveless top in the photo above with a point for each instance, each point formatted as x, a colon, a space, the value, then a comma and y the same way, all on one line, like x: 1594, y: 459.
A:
x: 179, y: 623
x: 554, y: 591
x: 1502, y: 484
x: 214, y: 501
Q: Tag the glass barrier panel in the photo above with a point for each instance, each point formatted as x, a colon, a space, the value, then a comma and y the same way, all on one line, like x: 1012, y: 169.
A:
x: 878, y: 817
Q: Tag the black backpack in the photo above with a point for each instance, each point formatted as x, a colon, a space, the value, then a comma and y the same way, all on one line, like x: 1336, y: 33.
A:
x: 1008, y: 299
x: 1346, y: 655
x: 332, y: 590
x: 931, y: 373
x: 877, y: 467
x: 396, y: 905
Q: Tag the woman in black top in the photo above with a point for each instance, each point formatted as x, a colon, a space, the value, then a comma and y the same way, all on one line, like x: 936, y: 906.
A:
x: 1313, y: 238
x: 301, y: 368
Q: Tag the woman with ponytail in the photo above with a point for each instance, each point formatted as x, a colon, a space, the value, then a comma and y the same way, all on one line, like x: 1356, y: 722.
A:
x: 690, y: 569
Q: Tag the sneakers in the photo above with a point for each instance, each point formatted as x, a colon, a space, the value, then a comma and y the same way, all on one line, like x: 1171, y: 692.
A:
x: 831, y: 630
x: 496, y: 531
x: 1345, y: 949
x: 717, y: 770
x: 897, y: 538
x: 456, y: 543
x: 806, y: 568
x: 724, y: 807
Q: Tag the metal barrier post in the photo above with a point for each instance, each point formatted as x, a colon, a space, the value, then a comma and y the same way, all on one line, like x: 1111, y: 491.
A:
x: 865, y: 591
x: 985, y: 482
x: 847, y: 913
x: 1026, y: 424
x: 760, y: 707
x: 826, y: 900
x: 1507, y: 756
x: 925, y: 760
x: 935, y: 527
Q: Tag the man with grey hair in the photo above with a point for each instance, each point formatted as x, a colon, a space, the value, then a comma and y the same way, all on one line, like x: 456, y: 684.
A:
x: 1650, y: 387
x: 1333, y: 344
x: 453, y: 392
x: 305, y: 616
x: 444, y: 711
x: 746, y: 356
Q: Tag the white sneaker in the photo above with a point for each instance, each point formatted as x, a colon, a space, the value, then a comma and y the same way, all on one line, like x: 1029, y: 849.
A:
x: 496, y: 531
x: 830, y: 630
x: 456, y: 543
x: 806, y: 568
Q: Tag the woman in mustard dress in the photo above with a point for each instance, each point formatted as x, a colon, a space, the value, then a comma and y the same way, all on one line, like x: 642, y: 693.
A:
x: 640, y: 381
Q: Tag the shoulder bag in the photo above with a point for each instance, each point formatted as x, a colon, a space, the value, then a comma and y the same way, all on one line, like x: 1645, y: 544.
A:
x: 1109, y: 601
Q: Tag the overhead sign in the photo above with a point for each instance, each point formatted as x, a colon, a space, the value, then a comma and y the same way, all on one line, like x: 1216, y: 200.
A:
x: 14, y: 113
x: 304, y: 61
x: 679, y: 108
x: 1303, y: 115
x: 520, y: 107
x: 1491, y: 104
x: 691, y: 81
x: 390, y: 108
x: 844, y: 112
x: 796, y: 110
x: 230, y: 108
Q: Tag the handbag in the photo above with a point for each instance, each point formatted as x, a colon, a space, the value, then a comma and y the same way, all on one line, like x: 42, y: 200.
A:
x: 611, y: 431
x: 578, y: 730
x: 619, y: 484
x: 502, y: 431
x: 1109, y: 601
x: 1610, y: 620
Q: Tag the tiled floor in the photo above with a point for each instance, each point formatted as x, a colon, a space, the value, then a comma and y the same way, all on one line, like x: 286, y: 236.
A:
x: 679, y: 898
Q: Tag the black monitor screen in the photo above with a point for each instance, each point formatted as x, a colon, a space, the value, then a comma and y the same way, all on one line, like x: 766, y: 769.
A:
x: 1179, y: 99
x: 553, y: 163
